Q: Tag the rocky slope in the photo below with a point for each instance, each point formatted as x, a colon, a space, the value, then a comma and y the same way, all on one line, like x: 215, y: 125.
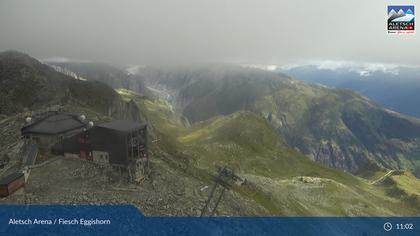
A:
x: 279, y: 180
x: 337, y: 128
x: 114, y: 76
x: 27, y: 84
x: 395, y: 88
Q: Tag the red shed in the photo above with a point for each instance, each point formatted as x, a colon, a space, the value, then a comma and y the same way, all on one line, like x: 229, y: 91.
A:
x: 10, y: 183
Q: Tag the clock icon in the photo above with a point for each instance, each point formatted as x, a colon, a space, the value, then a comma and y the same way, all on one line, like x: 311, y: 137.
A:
x: 387, y: 226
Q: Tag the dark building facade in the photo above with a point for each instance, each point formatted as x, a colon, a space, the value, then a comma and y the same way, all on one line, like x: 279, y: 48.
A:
x: 117, y: 143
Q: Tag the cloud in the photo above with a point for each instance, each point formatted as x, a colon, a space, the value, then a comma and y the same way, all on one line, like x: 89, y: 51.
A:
x: 143, y: 32
x: 362, y: 68
x: 62, y: 60
x: 262, y: 67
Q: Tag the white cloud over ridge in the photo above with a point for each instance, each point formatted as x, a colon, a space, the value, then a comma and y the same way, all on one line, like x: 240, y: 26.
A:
x: 63, y: 60
x: 362, y: 68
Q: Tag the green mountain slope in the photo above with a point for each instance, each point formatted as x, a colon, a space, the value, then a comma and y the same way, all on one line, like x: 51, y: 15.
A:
x: 279, y: 179
x: 337, y: 128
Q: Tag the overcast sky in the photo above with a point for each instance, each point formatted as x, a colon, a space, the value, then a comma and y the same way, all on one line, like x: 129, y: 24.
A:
x: 185, y: 31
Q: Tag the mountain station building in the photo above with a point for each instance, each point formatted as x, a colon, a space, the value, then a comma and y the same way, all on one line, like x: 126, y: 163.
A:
x: 51, y: 128
x: 117, y: 143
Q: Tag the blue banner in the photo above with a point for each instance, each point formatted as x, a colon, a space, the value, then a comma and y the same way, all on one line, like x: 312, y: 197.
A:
x: 127, y: 220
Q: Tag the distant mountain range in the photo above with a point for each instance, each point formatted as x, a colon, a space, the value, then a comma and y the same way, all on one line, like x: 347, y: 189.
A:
x: 336, y: 127
x: 395, y: 88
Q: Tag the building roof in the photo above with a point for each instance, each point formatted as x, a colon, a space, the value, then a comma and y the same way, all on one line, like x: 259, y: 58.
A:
x: 122, y: 125
x: 55, y: 123
x: 10, y: 178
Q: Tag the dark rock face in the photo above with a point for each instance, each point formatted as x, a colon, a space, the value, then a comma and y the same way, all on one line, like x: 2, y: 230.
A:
x: 333, y: 156
x: 113, y: 76
x: 28, y: 84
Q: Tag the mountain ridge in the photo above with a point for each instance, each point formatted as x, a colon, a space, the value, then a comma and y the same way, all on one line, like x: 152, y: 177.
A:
x: 328, y: 125
x: 27, y: 84
x: 403, y: 82
x: 279, y: 180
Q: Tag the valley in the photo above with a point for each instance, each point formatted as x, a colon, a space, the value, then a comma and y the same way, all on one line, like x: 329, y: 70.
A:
x: 335, y: 127
x: 300, y: 147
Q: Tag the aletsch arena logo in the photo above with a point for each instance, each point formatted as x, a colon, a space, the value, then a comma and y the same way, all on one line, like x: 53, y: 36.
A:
x: 401, y: 19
